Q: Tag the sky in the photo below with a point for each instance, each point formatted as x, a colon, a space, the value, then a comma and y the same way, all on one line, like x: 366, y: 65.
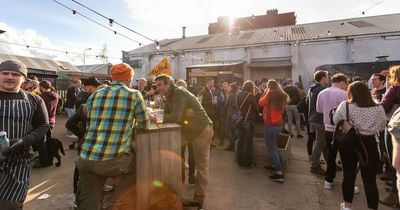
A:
x: 46, y: 24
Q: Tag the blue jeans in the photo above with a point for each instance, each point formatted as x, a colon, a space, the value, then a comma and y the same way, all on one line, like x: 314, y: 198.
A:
x: 271, y: 133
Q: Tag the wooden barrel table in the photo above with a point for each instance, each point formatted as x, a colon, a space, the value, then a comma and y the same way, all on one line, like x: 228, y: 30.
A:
x: 158, y: 152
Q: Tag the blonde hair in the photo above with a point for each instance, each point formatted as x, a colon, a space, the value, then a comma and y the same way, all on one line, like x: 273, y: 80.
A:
x: 394, y: 75
x: 276, y: 96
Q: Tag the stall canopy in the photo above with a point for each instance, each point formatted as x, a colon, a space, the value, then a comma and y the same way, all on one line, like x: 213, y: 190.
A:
x: 213, y: 65
x: 42, y: 66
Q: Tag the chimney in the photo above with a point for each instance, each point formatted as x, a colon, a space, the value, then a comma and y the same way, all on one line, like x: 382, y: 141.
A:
x: 382, y: 58
x: 183, y: 32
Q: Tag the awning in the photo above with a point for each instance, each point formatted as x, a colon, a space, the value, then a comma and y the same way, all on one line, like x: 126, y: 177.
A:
x: 270, y: 63
x: 210, y: 65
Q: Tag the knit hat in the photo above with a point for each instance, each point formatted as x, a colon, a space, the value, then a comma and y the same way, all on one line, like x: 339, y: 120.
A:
x: 121, y: 72
x: 13, y: 65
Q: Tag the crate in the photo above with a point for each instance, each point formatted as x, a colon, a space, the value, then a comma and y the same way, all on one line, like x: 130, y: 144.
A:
x: 260, y: 152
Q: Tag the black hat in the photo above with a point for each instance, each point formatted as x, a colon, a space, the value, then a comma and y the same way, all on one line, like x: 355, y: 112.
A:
x: 92, y: 81
x: 12, y: 65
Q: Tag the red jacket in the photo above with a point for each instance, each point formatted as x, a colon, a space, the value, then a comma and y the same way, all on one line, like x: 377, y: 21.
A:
x: 51, y: 101
x: 271, y: 116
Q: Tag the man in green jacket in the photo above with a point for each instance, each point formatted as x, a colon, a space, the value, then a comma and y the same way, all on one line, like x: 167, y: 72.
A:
x: 182, y: 107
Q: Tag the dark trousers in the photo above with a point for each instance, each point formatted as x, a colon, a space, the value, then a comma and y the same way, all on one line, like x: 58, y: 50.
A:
x: 389, y: 149
x: 42, y: 149
x: 331, y: 149
x: 221, y: 129
x: 93, y: 175
x: 245, y: 144
x: 7, y: 205
x: 191, y: 160
x: 310, y: 142
x: 368, y: 172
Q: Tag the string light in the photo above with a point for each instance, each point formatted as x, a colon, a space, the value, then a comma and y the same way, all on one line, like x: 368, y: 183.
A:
x: 115, y: 32
x: 113, y: 21
x: 157, y: 46
x: 329, y: 33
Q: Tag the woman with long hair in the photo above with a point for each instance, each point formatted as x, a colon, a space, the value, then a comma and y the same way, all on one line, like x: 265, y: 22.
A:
x: 230, y: 106
x: 246, y: 102
x: 390, y: 102
x: 365, y: 120
x: 222, y: 98
x: 273, y: 101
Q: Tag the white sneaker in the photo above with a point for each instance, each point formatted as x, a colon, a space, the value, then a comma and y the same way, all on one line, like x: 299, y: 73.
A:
x: 356, y: 190
x: 343, y: 208
x: 328, y: 185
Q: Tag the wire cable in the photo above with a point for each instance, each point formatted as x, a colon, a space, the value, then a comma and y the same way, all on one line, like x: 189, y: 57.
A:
x: 76, y: 12
x: 113, y: 21
x: 54, y: 50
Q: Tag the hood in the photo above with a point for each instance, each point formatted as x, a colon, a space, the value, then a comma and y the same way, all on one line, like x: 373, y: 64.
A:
x: 51, y: 94
x: 315, y: 86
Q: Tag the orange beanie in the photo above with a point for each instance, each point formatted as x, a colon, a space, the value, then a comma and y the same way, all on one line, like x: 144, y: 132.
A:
x: 121, y: 72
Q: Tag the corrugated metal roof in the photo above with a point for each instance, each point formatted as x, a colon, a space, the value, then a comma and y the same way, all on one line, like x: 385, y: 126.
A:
x: 41, y: 64
x: 301, y: 32
x: 97, y: 68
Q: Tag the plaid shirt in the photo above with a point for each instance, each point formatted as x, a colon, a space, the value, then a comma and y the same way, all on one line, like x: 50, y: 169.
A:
x: 112, y: 114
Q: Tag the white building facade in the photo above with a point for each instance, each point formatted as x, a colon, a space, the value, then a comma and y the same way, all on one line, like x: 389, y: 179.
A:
x: 282, y: 52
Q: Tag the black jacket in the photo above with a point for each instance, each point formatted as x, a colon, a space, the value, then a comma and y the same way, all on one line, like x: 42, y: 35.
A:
x: 313, y: 115
x: 251, y: 102
x: 71, y: 97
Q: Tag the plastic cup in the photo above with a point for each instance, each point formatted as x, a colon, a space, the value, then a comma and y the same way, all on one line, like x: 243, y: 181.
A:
x: 159, y: 115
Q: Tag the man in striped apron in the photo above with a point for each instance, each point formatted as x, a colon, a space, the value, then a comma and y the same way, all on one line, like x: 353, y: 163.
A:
x: 24, y: 117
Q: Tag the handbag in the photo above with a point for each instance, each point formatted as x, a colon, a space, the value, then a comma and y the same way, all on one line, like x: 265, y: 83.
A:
x: 349, y: 139
x: 237, y: 115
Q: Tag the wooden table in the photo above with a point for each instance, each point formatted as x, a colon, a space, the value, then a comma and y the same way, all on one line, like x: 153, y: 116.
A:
x: 158, y: 158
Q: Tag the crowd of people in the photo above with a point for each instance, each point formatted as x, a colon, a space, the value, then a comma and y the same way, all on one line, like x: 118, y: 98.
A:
x: 356, y: 118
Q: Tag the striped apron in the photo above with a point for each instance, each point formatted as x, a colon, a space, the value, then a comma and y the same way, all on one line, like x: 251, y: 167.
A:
x: 15, y: 119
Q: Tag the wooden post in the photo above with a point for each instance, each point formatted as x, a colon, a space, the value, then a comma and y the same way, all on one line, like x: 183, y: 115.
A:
x: 158, y: 153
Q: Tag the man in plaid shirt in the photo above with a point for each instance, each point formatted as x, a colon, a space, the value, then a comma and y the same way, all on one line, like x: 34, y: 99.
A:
x: 113, y: 113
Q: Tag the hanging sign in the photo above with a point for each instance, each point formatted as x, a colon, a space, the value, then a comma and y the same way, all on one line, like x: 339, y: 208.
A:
x: 164, y: 67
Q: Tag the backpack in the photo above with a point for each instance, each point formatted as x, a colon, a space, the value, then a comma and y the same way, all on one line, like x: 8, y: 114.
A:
x: 237, y: 114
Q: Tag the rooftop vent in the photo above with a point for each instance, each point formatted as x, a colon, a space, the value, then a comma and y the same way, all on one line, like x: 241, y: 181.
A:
x: 298, y: 30
x: 361, y: 24
x: 204, y: 39
x: 246, y: 35
x: 381, y: 58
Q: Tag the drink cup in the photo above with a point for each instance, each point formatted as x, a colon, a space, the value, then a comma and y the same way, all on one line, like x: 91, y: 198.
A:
x: 215, y: 100
x: 159, y: 115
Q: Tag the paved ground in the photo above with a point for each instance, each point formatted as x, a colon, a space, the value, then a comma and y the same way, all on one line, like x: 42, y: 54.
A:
x: 230, y: 187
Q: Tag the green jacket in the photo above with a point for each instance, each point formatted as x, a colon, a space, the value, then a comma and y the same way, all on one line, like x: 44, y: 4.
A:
x: 182, y: 107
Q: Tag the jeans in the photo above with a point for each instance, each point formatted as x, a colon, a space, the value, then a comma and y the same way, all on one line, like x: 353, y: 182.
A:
x: 332, y: 150
x: 291, y: 110
x: 271, y: 133
x: 70, y: 112
x: 318, y: 146
x: 368, y: 172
